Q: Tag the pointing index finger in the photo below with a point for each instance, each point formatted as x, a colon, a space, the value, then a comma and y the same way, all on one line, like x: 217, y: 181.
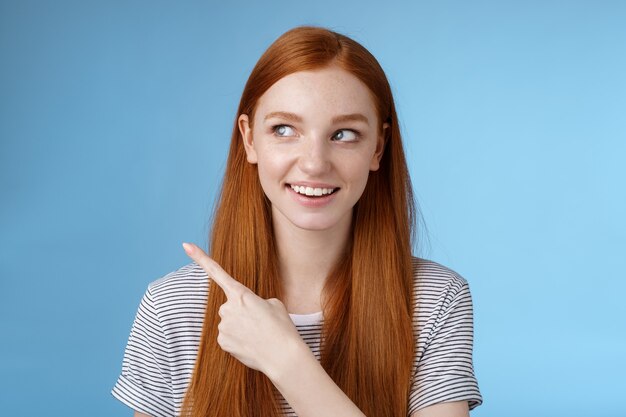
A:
x: 227, y: 283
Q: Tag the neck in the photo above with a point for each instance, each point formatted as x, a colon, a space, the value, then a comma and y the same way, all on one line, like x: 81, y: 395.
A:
x: 305, y: 260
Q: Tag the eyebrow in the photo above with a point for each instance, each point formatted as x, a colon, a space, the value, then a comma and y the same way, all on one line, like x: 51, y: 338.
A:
x: 358, y: 117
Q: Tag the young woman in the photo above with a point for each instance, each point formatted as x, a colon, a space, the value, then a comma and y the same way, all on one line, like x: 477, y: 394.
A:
x: 311, y: 302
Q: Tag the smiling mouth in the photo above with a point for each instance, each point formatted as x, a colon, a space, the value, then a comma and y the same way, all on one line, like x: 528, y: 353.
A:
x: 312, y: 191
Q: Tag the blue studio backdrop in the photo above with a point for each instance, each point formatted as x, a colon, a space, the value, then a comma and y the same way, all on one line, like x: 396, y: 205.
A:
x: 115, y: 118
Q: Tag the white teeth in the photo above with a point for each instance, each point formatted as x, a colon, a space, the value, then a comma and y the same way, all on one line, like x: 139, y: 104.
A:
x: 310, y: 191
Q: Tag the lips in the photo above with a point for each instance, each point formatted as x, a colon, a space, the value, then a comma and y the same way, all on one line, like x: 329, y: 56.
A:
x: 312, y: 196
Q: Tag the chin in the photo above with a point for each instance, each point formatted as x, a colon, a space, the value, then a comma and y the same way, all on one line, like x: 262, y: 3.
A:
x: 319, y: 222
x: 314, y: 225
x: 314, y: 222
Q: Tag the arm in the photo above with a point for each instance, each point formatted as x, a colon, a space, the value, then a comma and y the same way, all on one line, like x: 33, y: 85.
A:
x: 311, y: 392
x: 260, y: 334
x: 451, y: 409
x: 307, y: 387
x: 454, y: 409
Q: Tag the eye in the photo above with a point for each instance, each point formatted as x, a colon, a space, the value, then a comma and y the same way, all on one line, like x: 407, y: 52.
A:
x: 346, y: 135
x: 283, y: 130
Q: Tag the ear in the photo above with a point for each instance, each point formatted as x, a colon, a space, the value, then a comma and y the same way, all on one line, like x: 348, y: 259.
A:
x: 380, y: 148
x: 246, y: 135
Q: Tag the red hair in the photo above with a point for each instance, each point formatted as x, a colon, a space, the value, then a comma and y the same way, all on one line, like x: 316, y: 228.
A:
x: 367, y: 335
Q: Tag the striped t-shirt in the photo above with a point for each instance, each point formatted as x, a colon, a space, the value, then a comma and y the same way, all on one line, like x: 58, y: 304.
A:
x: 163, y: 343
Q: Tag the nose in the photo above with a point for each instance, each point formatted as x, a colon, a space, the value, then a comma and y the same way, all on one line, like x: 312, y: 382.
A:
x: 314, y: 158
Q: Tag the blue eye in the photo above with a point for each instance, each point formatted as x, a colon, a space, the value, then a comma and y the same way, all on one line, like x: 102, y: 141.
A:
x: 346, y: 135
x: 283, y: 130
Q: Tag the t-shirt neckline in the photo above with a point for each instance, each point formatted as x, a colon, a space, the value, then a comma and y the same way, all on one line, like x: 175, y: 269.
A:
x: 306, y: 319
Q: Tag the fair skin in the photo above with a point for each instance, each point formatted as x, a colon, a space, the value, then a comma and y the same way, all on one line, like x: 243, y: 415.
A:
x: 294, y: 142
x: 316, y: 129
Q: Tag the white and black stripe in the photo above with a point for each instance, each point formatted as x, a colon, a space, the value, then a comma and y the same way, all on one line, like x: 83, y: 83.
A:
x: 163, y: 343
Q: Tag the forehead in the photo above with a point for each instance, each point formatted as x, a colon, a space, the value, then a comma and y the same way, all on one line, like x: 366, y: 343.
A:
x: 326, y: 92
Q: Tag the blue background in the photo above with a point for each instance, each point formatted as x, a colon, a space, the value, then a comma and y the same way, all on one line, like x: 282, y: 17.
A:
x: 114, y: 123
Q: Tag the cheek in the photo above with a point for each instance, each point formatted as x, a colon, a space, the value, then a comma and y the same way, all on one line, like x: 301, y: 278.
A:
x: 265, y: 176
x: 271, y: 169
x: 356, y: 174
x: 356, y: 167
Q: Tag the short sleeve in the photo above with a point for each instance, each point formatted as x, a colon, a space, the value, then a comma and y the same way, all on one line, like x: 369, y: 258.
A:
x: 145, y: 383
x: 445, y: 372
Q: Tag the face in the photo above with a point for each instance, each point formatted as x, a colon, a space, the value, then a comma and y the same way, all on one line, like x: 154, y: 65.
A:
x: 315, y: 137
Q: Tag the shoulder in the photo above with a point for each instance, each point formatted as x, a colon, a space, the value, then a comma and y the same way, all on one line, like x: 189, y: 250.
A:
x: 439, y: 294
x: 432, y: 276
x: 443, y: 329
x: 162, y: 347
x: 179, y: 296
x: 187, y: 280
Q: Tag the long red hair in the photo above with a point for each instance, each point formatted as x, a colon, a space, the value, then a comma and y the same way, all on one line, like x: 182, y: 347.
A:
x: 367, y: 335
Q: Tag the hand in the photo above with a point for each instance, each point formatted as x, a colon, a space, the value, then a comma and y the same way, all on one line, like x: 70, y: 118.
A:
x: 257, y: 332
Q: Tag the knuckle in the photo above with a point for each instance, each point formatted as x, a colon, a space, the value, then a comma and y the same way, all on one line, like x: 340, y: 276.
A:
x: 275, y: 302
x: 240, y: 295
